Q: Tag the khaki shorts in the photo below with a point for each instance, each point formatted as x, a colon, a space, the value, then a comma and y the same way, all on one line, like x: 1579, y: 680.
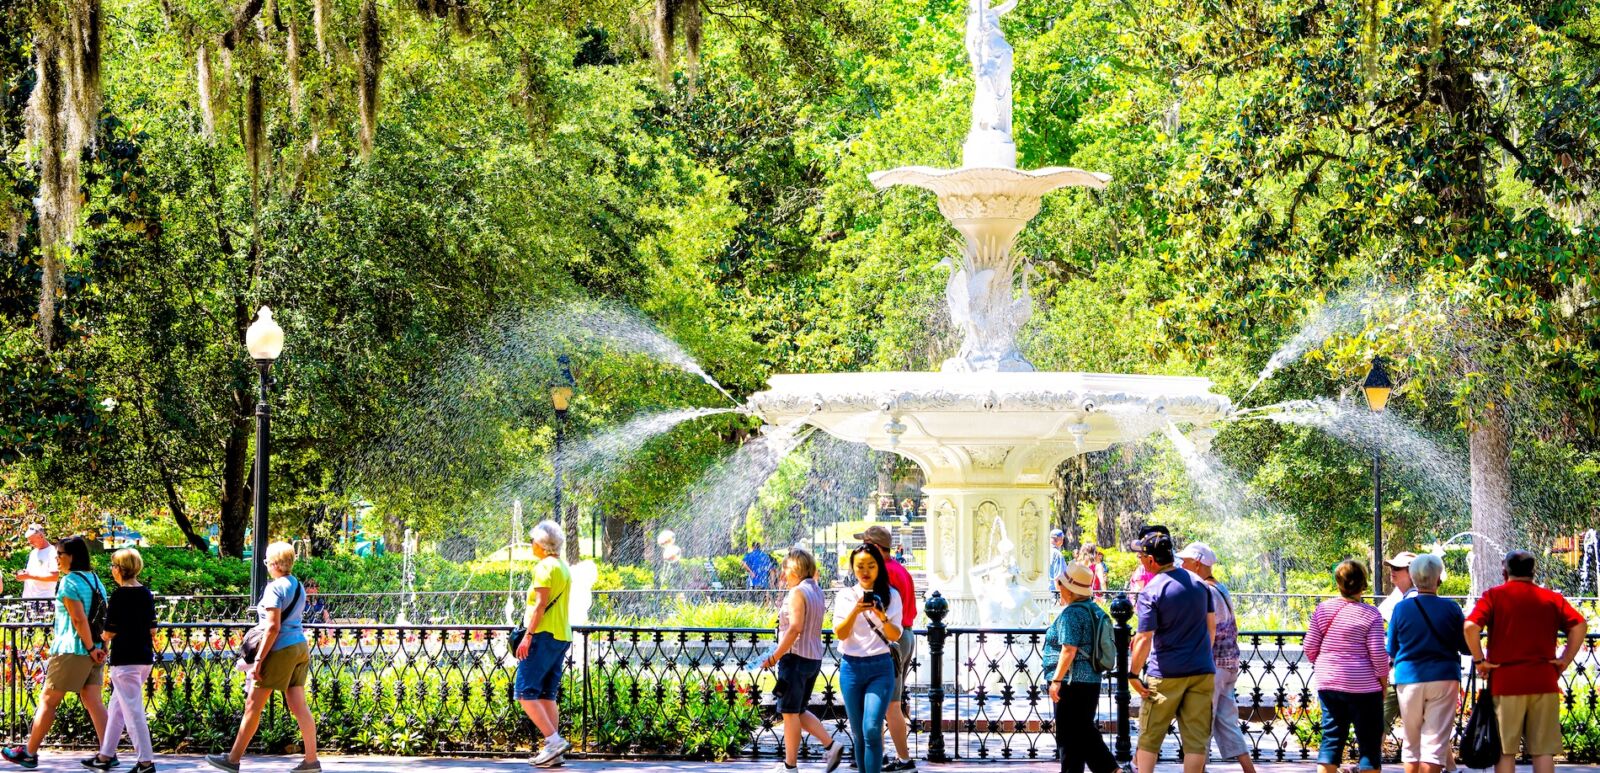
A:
x: 907, y: 647
x: 1534, y: 720
x: 286, y: 668
x: 1186, y: 698
x: 73, y: 673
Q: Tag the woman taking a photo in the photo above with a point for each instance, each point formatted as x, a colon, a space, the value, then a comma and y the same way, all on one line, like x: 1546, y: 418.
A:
x: 865, y: 630
x: 1351, y: 670
x: 77, y: 660
x: 1074, y: 685
x: 799, y: 660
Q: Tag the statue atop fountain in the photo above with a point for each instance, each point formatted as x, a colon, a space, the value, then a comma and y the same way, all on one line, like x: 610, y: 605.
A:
x: 989, y: 140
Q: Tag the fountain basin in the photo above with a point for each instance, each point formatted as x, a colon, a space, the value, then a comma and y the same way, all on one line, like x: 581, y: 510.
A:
x: 989, y: 445
x: 994, y: 428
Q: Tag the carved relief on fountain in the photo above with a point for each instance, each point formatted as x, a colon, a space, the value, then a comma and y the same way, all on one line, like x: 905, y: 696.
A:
x: 1030, y: 524
x: 987, y: 457
x: 983, y: 532
x: 946, y: 540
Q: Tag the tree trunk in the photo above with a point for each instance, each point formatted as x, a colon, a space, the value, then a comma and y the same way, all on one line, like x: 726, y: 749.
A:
x: 569, y: 525
x: 237, y: 478
x: 180, y: 514
x: 1105, y: 527
x: 620, y: 546
x: 1489, y: 449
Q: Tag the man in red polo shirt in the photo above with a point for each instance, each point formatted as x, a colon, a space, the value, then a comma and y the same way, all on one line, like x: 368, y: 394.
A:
x: 900, y: 581
x: 1523, y: 670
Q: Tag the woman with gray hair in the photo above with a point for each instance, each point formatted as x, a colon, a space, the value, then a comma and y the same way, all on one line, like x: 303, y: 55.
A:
x: 542, y: 651
x: 1426, y: 642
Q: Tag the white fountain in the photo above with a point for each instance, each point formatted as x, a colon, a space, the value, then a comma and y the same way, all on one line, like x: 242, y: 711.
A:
x: 987, y: 430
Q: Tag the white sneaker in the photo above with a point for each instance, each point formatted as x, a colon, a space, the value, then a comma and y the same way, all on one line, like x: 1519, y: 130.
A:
x: 562, y: 746
x: 554, y: 762
x: 832, y: 755
x: 544, y: 756
x: 782, y: 768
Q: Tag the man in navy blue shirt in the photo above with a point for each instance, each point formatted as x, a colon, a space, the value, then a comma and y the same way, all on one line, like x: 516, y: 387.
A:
x: 1177, y: 621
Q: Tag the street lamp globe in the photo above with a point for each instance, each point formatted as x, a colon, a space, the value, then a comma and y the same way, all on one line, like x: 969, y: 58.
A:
x: 264, y: 338
x: 1377, y: 386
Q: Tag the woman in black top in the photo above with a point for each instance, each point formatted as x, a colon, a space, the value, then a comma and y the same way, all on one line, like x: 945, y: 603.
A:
x: 130, y: 630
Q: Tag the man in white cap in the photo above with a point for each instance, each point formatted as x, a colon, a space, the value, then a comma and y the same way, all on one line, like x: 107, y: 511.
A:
x: 40, y: 576
x: 1400, y: 577
x: 1226, y: 732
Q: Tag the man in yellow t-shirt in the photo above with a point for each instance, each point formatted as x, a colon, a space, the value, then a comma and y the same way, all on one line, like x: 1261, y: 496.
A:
x: 543, y: 651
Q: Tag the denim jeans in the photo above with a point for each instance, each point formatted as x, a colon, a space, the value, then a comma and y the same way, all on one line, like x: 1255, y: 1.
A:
x: 1340, y: 710
x: 867, y: 684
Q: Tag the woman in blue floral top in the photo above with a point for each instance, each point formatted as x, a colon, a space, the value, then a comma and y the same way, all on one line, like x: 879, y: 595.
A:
x: 1074, y: 685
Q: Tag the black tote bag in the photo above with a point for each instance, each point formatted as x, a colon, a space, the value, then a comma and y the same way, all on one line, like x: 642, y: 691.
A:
x: 1480, y: 739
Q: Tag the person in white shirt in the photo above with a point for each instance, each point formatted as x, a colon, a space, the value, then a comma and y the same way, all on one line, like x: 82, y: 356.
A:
x: 40, y: 576
x: 1400, y: 577
x: 867, y: 618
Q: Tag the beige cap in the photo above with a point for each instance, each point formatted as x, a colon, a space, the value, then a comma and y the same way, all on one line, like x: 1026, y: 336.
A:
x: 877, y: 535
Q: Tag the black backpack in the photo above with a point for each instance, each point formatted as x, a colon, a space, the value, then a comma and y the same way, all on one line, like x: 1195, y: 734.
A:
x: 96, y: 611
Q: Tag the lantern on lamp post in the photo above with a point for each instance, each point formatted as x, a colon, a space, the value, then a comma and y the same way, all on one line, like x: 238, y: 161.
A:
x: 1377, y: 387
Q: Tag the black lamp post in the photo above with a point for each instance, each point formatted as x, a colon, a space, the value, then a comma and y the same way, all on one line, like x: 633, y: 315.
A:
x: 561, y: 398
x: 1377, y: 387
x: 264, y: 339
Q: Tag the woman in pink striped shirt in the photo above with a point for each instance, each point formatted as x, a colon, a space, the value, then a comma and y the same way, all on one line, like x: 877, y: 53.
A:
x: 1345, y: 644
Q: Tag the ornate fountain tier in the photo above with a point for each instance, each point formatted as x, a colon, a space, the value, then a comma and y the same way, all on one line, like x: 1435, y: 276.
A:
x: 989, y: 428
x: 989, y: 445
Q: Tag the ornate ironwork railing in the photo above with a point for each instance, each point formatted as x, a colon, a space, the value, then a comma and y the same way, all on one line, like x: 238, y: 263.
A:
x: 669, y: 692
x: 1260, y: 611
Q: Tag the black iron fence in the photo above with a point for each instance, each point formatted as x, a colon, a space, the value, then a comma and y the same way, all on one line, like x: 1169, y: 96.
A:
x: 1257, y: 611
x: 671, y: 692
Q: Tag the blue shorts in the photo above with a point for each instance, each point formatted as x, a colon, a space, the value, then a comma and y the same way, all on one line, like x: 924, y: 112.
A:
x: 796, y: 678
x: 539, y: 674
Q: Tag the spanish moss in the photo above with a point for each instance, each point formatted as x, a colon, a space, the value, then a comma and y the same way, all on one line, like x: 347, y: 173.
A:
x: 206, y: 88
x: 691, y: 19
x: 61, y: 117
x: 319, y: 22
x: 291, y: 61
x: 663, y: 32
x: 370, y: 64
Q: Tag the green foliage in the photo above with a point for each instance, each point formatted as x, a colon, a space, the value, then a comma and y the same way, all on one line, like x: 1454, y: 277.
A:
x: 1580, y: 725
x: 702, y: 720
x: 1120, y: 566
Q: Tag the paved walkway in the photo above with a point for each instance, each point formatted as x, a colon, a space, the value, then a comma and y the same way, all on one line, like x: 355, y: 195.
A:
x: 58, y: 762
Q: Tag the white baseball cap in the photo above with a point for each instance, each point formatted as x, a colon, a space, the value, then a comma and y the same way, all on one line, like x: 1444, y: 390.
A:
x: 1201, y: 552
x: 34, y: 528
